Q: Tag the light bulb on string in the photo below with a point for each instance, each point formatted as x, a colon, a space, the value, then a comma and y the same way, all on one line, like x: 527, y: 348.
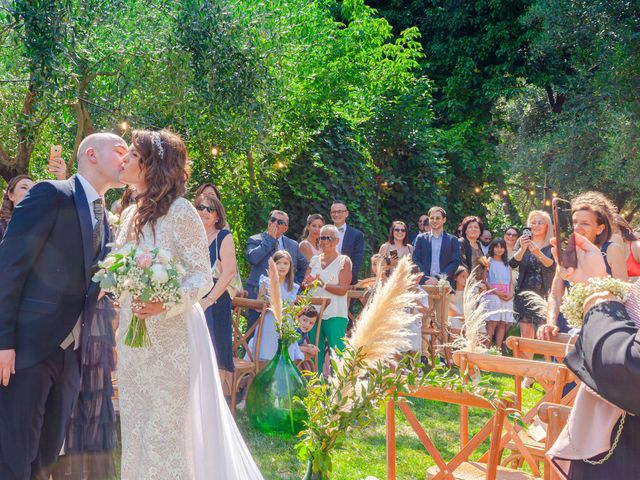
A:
x: 477, y: 189
x: 554, y: 194
x: 547, y: 203
x: 504, y: 193
x: 124, y: 125
x: 532, y: 192
x: 214, y: 151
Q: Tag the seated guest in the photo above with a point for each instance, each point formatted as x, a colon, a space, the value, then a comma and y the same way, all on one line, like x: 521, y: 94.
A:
x: 16, y: 190
x: 456, y: 300
x: 436, y: 252
x: 423, y: 227
x: 350, y: 240
x: 485, y: 241
x: 471, y: 253
x: 331, y: 272
x: 602, y: 437
x: 309, y: 242
x: 397, y: 246
x: 261, y: 247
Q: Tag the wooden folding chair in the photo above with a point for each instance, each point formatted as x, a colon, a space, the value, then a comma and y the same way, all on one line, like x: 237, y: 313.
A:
x: 459, y: 467
x: 245, y: 369
x: 555, y: 375
x: 555, y: 416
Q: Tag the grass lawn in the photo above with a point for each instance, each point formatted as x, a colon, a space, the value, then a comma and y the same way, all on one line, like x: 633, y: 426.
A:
x: 364, y: 450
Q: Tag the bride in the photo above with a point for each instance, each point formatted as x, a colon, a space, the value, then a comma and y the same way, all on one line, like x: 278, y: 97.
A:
x: 175, y: 421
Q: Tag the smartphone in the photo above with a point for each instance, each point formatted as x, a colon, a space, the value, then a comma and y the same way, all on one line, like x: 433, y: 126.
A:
x: 563, y: 231
x: 55, y: 151
x: 526, y: 232
x: 393, y: 254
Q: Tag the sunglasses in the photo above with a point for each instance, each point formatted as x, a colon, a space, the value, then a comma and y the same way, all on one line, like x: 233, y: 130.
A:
x: 277, y: 220
x: 510, y: 234
x: 327, y: 239
x: 201, y: 208
x: 399, y: 229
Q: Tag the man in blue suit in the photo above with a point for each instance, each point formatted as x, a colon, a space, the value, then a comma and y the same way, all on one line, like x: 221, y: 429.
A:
x: 261, y: 247
x: 436, y: 252
x: 55, y: 238
x: 351, y: 240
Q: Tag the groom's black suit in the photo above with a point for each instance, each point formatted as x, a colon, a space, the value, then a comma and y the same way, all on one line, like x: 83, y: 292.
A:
x: 46, y: 262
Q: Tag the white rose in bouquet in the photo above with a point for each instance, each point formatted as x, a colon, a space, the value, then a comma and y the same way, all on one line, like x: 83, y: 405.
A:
x: 159, y: 274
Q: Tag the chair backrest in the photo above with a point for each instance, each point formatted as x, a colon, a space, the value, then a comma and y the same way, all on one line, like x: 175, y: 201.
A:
x: 242, y: 335
x: 559, y: 350
x: 492, y: 428
x: 555, y: 416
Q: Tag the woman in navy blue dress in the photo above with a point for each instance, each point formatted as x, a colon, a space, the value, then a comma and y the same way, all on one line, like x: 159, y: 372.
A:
x: 217, y: 303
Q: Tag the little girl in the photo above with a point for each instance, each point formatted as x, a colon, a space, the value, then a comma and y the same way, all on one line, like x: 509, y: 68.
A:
x: 500, y: 300
x: 288, y: 291
x: 456, y: 302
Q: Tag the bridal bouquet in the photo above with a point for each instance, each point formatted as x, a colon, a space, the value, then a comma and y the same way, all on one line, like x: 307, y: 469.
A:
x: 146, y: 275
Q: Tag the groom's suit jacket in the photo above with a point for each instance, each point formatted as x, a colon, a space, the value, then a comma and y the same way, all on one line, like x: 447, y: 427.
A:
x: 46, y: 263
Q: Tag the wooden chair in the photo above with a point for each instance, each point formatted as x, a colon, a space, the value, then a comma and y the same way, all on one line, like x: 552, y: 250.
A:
x: 459, y: 467
x: 358, y: 294
x: 555, y: 416
x: 555, y: 375
x: 245, y: 369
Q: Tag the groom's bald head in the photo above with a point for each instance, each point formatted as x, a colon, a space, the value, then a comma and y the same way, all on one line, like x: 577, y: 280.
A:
x: 100, y: 157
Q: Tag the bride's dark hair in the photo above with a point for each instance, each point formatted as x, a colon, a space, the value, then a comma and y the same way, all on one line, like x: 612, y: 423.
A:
x: 164, y: 165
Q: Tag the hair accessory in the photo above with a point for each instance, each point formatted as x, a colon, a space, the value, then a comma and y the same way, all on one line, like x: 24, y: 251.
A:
x: 156, y: 140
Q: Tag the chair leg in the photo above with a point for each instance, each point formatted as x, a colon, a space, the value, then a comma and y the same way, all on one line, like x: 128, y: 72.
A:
x: 233, y: 393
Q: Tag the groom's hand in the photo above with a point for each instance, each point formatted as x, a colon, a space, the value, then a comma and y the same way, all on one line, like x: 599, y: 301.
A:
x: 7, y: 365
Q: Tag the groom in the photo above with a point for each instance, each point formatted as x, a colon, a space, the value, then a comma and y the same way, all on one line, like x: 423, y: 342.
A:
x: 55, y: 237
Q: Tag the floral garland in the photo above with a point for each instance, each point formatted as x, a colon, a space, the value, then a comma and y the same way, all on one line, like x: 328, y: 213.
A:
x: 573, y: 301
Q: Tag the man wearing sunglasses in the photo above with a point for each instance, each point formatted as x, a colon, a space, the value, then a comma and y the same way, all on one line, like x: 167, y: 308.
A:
x: 423, y: 227
x: 261, y: 247
x: 351, y: 240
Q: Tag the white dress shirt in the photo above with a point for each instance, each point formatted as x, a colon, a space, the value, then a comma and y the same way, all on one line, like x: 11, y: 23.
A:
x: 341, y: 231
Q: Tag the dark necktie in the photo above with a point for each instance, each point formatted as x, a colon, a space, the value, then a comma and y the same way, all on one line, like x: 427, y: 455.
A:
x: 98, y: 230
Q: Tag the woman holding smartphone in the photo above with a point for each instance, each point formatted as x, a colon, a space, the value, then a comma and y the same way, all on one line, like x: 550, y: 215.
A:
x: 536, y: 270
x: 397, y: 246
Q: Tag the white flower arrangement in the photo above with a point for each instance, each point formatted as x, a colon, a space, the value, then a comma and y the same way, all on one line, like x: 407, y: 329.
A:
x: 573, y: 301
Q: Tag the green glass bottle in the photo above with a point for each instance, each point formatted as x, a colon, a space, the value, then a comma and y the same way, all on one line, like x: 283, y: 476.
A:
x: 270, y: 405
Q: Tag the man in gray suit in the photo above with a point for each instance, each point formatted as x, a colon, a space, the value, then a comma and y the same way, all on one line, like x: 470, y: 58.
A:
x: 261, y: 247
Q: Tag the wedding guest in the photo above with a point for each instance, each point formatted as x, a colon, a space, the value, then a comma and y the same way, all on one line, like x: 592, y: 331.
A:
x: 436, y: 252
x: 456, y: 300
x: 423, y: 227
x: 208, y: 189
x: 288, y: 292
x: 333, y: 272
x: 309, y: 245
x: 485, y: 241
x: 17, y: 188
x: 397, y: 245
x: 500, y: 298
x: 602, y: 435
x: 623, y: 235
x: 471, y: 252
x: 307, y: 319
x: 350, y: 240
x: 536, y: 271
x: 592, y: 215
x: 511, y: 235
x: 261, y: 247
x: 217, y: 304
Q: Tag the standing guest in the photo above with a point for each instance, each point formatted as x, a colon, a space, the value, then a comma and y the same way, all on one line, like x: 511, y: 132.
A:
x: 592, y: 216
x: 332, y: 271
x: 261, y: 247
x: 511, y: 235
x: 623, y: 235
x: 217, y: 304
x: 57, y: 234
x: 436, y: 252
x: 397, y: 246
x: 309, y: 244
x: 456, y: 302
x: 350, y: 240
x: 16, y: 190
x: 536, y: 271
x: 471, y: 252
x: 500, y: 298
x: 485, y: 241
x: 208, y: 189
x: 423, y: 227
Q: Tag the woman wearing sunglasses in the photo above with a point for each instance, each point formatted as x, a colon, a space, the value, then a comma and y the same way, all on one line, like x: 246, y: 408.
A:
x: 329, y: 275
x: 217, y: 303
x: 397, y: 246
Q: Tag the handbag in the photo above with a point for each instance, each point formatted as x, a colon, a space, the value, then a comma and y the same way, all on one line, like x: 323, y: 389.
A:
x: 235, y: 285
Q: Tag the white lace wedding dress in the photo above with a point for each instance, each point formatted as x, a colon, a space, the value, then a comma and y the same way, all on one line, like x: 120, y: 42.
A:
x: 175, y: 421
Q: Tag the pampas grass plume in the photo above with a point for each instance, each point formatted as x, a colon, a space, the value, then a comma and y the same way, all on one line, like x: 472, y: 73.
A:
x: 275, y: 298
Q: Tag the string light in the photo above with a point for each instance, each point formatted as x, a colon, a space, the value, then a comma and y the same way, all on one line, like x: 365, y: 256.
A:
x: 547, y: 203
x: 124, y: 125
x: 214, y: 151
x: 280, y: 165
x: 532, y: 192
x: 477, y: 189
x: 554, y: 194
x: 504, y: 193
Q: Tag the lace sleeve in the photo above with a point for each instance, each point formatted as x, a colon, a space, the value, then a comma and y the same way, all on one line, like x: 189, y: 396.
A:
x: 189, y: 244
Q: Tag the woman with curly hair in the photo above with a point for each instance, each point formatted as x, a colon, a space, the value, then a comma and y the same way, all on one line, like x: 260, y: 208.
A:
x: 471, y: 253
x: 175, y: 420
x: 17, y: 188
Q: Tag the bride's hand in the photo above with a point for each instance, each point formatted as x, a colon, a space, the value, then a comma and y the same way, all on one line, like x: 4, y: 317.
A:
x: 147, y: 309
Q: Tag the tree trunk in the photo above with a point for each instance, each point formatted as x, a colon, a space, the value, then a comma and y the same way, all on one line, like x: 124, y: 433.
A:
x: 84, y: 127
x: 555, y: 100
